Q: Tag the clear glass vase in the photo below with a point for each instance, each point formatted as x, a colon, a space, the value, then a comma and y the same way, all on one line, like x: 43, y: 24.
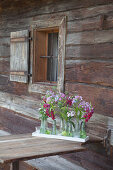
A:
x: 43, y: 125
x: 54, y: 129
x: 77, y: 129
x: 83, y: 131
x: 62, y: 125
x: 70, y: 129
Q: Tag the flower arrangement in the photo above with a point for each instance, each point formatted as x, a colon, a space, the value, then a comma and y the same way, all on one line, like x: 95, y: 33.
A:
x: 73, y: 111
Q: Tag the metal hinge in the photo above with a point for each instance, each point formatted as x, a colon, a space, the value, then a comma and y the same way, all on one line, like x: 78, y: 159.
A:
x: 30, y: 75
x: 30, y: 38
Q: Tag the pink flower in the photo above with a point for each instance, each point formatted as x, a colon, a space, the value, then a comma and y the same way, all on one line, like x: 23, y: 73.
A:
x: 46, y: 105
x: 69, y: 101
x: 86, y: 120
x: 52, y: 114
x: 47, y: 112
x: 44, y: 99
x: 62, y: 95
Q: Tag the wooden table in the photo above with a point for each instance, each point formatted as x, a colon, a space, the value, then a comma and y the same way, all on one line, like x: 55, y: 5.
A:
x: 15, y: 148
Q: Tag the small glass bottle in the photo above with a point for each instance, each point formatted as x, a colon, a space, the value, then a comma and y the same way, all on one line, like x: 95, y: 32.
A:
x: 43, y: 125
x: 77, y: 129
x: 82, y: 131
x: 54, y: 129
x: 62, y: 125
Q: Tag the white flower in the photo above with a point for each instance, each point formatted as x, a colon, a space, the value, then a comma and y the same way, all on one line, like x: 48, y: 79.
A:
x: 72, y: 113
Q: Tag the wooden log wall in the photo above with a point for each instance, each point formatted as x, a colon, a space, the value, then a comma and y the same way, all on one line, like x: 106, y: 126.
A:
x: 89, y: 50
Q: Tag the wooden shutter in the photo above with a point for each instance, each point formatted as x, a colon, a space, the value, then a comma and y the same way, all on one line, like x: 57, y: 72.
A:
x: 19, y: 56
x: 40, y: 63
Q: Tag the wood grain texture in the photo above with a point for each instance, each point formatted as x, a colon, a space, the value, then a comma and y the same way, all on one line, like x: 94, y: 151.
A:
x: 93, y: 23
x: 5, y: 65
x: 38, y: 7
x: 95, y: 51
x: 91, y: 72
x: 61, y: 54
x: 99, y: 96
x: 94, y: 37
x: 40, y: 49
x: 21, y: 104
x: 19, y: 56
x: 34, y: 147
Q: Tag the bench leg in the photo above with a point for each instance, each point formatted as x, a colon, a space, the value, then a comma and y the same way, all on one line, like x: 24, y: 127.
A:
x: 14, y: 165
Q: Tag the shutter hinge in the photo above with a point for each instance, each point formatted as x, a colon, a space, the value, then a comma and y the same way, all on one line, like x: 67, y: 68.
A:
x: 30, y: 38
x: 30, y: 75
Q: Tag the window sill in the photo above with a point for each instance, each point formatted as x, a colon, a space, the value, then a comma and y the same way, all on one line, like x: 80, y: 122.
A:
x: 41, y: 87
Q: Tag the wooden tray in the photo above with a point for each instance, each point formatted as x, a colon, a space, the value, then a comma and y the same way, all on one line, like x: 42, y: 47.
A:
x: 59, y: 136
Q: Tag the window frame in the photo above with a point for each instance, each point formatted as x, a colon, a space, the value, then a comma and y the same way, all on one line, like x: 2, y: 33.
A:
x: 60, y: 24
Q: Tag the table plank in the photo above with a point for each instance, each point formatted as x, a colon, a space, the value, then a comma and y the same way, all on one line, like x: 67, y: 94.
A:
x: 24, y: 147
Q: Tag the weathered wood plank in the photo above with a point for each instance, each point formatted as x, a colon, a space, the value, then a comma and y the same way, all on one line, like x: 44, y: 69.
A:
x: 25, y: 105
x: 96, y: 51
x: 75, y: 14
x: 42, y: 7
x: 28, y: 148
x: 90, y: 72
x: 4, y: 66
x: 40, y: 87
x: 88, y: 24
x: 3, y: 81
x: 19, y: 56
x: 4, y: 50
x: 92, y: 37
x: 100, y: 97
x: 61, y: 55
x: 12, y: 87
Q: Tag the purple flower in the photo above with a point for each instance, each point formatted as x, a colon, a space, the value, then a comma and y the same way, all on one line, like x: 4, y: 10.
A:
x: 62, y: 95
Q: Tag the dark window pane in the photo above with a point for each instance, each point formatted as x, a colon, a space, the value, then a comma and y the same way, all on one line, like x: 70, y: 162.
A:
x: 52, y: 64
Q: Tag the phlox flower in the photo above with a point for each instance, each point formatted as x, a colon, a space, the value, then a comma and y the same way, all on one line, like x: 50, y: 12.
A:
x: 56, y: 98
x: 48, y: 99
x: 70, y: 114
x: 46, y: 105
x: 77, y: 99
x: 62, y: 95
x: 69, y: 101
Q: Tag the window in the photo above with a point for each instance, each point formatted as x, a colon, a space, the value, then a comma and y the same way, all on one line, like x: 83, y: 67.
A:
x: 45, y: 61
x: 52, y: 61
x: 38, y: 55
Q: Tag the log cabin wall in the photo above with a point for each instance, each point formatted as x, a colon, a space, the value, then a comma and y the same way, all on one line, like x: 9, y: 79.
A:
x: 89, y: 54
